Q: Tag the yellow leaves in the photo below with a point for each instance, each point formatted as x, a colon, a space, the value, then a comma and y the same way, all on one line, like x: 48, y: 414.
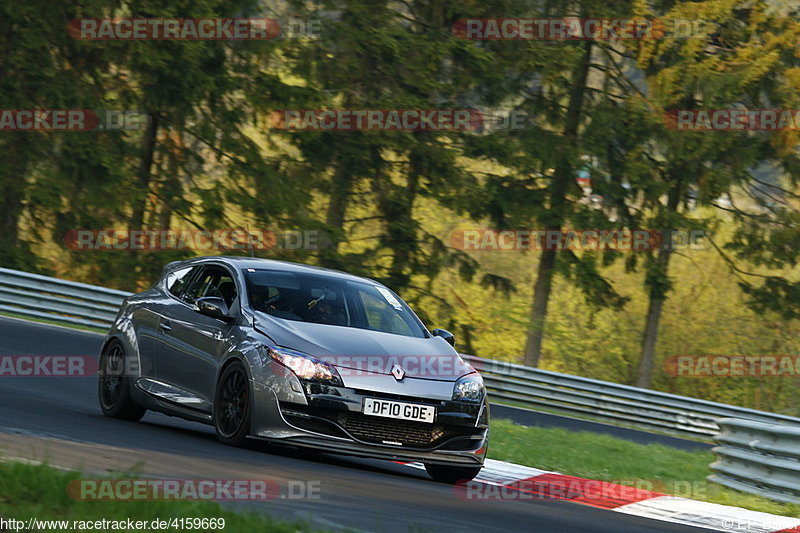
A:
x: 792, y: 79
x: 760, y: 66
x: 785, y: 141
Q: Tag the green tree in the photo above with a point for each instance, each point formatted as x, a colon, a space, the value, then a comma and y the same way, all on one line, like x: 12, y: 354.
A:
x: 739, y: 59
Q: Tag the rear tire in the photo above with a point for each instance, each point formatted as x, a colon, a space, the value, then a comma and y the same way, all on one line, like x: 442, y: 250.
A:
x: 232, y: 405
x: 452, y: 474
x: 113, y: 389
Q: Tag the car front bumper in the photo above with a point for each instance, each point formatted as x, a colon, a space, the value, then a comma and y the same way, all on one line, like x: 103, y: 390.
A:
x: 330, y: 419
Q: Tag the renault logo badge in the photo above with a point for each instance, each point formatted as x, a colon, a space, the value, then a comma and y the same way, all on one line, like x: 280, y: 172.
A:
x: 398, y: 372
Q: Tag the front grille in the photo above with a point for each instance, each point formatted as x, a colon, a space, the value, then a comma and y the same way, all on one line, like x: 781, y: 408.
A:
x: 408, y: 433
x: 374, y: 429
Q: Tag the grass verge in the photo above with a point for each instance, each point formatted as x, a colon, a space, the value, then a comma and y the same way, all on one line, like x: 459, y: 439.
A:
x: 600, y: 420
x: 40, y: 492
x: 605, y: 458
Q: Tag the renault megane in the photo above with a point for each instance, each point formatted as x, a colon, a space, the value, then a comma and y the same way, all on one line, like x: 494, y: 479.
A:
x: 293, y: 353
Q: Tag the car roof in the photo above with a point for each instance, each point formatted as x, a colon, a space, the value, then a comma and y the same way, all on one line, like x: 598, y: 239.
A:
x: 242, y: 263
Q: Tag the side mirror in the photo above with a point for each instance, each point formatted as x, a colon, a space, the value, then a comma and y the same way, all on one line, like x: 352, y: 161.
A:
x: 213, y: 307
x: 446, y: 335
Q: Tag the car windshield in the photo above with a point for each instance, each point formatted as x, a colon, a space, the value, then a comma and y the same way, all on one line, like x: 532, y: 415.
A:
x: 329, y: 300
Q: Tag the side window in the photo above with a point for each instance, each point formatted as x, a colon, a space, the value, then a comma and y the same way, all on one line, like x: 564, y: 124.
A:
x: 177, y: 280
x: 226, y: 288
x: 200, y: 286
x: 212, y: 281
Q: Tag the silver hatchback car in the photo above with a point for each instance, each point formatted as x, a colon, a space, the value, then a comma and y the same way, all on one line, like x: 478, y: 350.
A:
x: 298, y: 354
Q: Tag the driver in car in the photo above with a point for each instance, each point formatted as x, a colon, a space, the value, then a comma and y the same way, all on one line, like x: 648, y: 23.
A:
x: 322, y: 310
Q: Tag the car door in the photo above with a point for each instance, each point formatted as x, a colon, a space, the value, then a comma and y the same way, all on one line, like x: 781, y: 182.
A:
x: 149, y: 323
x: 196, y: 341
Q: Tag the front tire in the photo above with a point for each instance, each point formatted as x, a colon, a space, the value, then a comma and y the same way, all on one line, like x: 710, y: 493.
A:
x: 232, y: 405
x: 452, y: 474
x: 114, y: 386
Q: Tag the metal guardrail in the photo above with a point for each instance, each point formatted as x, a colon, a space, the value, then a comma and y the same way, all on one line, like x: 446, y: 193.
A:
x: 60, y: 300
x: 758, y: 458
x: 70, y: 302
x: 612, y: 402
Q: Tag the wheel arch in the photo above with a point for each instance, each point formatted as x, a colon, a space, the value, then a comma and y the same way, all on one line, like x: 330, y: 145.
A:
x: 110, y: 339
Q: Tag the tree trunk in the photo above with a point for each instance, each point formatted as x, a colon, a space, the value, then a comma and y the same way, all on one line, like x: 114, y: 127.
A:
x: 171, y: 189
x: 144, y: 173
x: 12, y: 196
x: 555, y: 216
x: 657, y: 292
x: 11, y: 202
x: 396, y: 205
x: 136, y: 223
x: 401, y: 227
x: 338, y: 201
x: 650, y: 336
x: 541, y: 297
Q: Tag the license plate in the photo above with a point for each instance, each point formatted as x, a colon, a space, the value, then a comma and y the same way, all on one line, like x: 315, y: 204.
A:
x: 399, y: 410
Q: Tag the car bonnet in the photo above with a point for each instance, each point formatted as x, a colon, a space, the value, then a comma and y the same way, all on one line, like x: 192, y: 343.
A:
x: 365, y: 351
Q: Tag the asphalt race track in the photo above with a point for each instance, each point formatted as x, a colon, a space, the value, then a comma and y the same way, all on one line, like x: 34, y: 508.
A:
x: 57, y: 419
